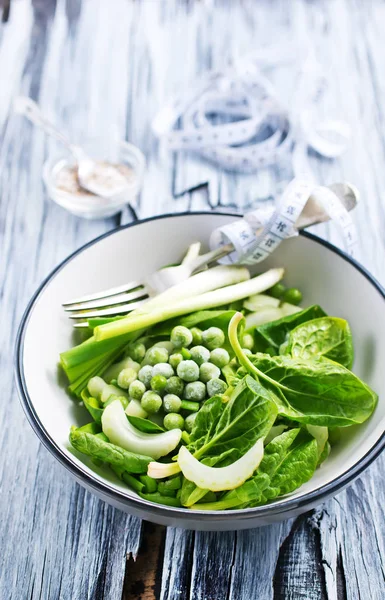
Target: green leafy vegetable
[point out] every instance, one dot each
(274, 333)
(316, 392)
(94, 446)
(297, 467)
(222, 433)
(91, 428)
(145, 425)
(233, 427)
(327, 336)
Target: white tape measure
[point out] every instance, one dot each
(235, 119)
(260, 232)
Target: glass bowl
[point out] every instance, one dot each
(84, 204)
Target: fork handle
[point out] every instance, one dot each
(209, 257)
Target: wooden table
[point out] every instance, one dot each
(94, 64)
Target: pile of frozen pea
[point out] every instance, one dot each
(172, 378)
(176, 377)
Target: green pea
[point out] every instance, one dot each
(196, 335)
(166, 344)
(174, 386)
(156, 355)
(158, 383)
(122, 399)
(213, 338)
(110, 390)
(189, 421)
(293, 296)
(208, 371)
(137, 351)
(186, 354)
(181, 336)
(163, 369)
(126, 377)
(173, 421)
(247, 351)
(145, 375)
(277, 290)
(171, 403)
(188, 370)
(219, 357)
(196, 391)
(200, 354)
(248, 341)
(136, 389)
(175, 359)
(216, 387)
(151, 402)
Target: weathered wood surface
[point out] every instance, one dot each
(93, 64)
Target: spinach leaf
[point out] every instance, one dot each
(145, 425)
(91, 428)
(297, 467)
(223, 432)
(96, 447)
(316, 392)
(273, 334)
(235, 426)
(328, 336)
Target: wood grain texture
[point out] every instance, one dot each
(94, 65)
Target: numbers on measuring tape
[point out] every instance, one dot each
(257, 235)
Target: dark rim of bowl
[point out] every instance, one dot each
(278, 507)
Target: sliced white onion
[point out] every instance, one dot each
(262, 316)
(320, 434)
(134, 409)
(217, 479)
(120, 432)
(259, 301)
(158, 470)
(289, 309)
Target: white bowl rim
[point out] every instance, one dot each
(268, 510)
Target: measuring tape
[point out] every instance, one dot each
(236, 120)
(261, 231)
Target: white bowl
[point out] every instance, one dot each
(326, 276)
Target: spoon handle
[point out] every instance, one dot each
(28, 108)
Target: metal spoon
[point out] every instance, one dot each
(101, 179)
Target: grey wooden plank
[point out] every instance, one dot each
(73, 546)
(255, 561)
(212, 565)
(177, 564)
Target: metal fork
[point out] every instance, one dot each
(126, 298)
(130, 296)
